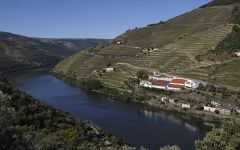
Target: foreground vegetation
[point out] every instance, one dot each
(226, 137)
(27, 123)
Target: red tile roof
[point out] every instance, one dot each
(160, 83)
(175, 86)
(178, 81)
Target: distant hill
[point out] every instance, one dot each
(220, 2)
(184, 46)
(19, 52)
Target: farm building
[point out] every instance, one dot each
(146, 84)
(188, 106)
(192, 84)
(209, 108)
(178, 82)
(174, 87)
(224, 111)
(160, 84)
(109, 69)
(160, 77)
(238, 54)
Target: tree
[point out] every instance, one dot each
(131, 83)
(200, 86)
(227, 137)
(10, 137)
(92, 84)
(142, 75)
(170, 148)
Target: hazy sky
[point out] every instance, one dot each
(86, 18)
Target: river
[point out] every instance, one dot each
(135, 123)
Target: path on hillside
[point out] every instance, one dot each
(209, 64)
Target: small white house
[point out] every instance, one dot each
(192, 84)
(109, 69)
(208, 108)
(238, 54)
(188, 106)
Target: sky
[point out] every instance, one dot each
(86, 18)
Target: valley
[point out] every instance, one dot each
(21, 53)
(168, 85)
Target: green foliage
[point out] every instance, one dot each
(92, 84)
(235, 16)
(225, 138)
(231, 42)
(170, 148)
(131, 83)
(220, 2)
(142, 75)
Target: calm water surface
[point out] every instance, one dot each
(136, 124)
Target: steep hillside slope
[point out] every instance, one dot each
(175, 47)
(74, 45)
(19, 52)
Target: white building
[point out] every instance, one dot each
(146, 84)
(238, 54)
(157, 76)
(192, 84)
(208, 108)
(109, 69)
(188, 106)
(173, 87)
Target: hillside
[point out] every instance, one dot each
(19, 52)
(177, 44)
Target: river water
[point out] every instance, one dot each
(135, 123)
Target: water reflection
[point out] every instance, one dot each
(158, 116)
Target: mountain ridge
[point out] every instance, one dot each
(20, 52)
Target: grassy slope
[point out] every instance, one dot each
(179, 41)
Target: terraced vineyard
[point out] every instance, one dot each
(181, 54)
(179, 42)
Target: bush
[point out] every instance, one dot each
(231, 42)
(92, 84)
(226, 137)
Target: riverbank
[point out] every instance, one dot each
(35, 122)
(136, 123)
(29, 68)
(124, 95)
